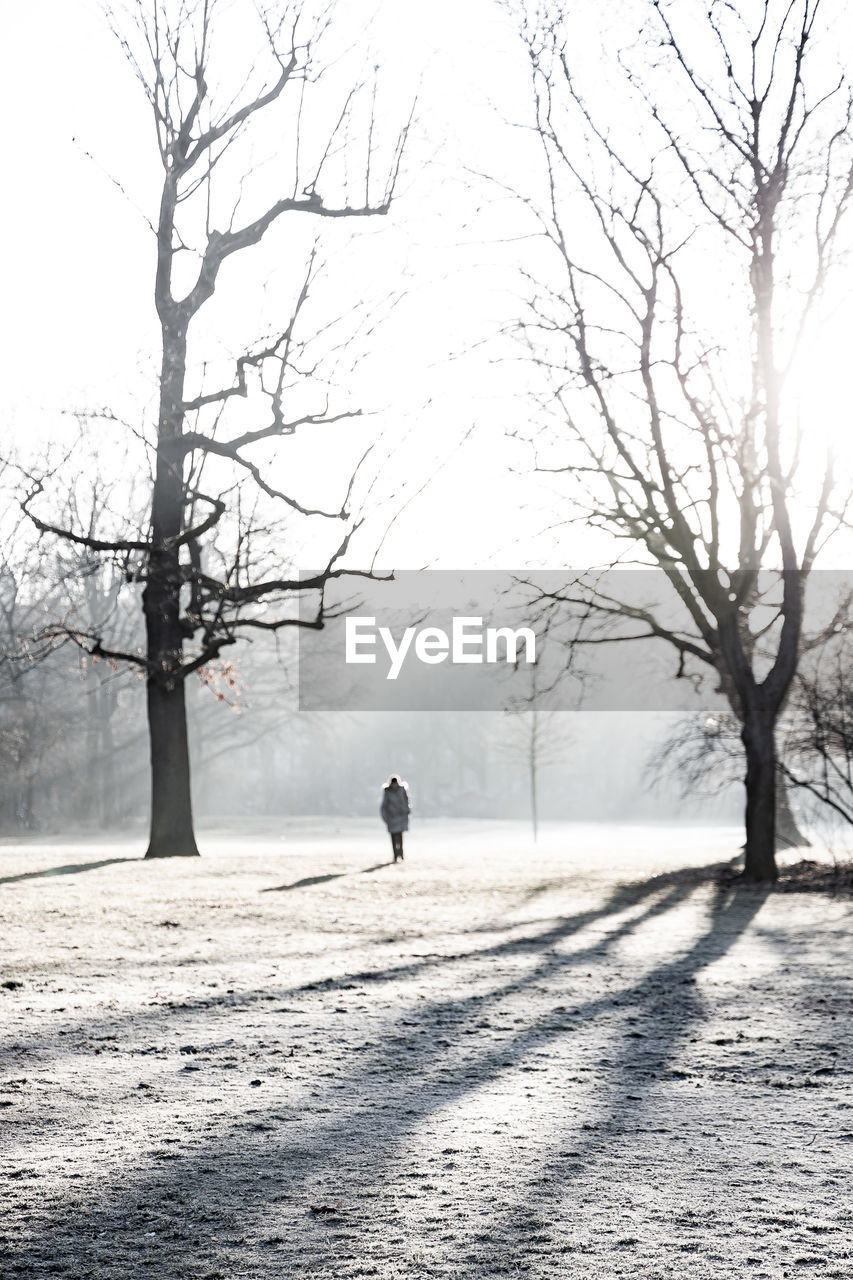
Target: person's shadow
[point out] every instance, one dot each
(335, 875)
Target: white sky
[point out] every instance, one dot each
(80, 329)
(78, 318)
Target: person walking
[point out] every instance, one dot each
(395, 810)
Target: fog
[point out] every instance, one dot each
(74, 748)
(416, 397)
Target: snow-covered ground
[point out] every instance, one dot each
(290, 1058)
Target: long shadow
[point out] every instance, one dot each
(415, 1085)
(636, 1073)
(334, 875)
(69, 869)
(682, 881)
(305, 882)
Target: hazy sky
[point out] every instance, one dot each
(80, 329)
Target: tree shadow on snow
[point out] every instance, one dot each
(72, 868)
(334, 875)
(429, 1055)
(665, 1005)
(680, 882)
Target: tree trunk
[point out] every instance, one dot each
(788, 833)
(533, 765)
(534, 803)
(92, 794)
(171, 806)
(109, 786)
(760, 848)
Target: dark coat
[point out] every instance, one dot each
(395, 809)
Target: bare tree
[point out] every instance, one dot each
(534, 740)
(818, 757)
(29, 721)
(333, 160)
(669, 388)
(705, 753)
(537, 736)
